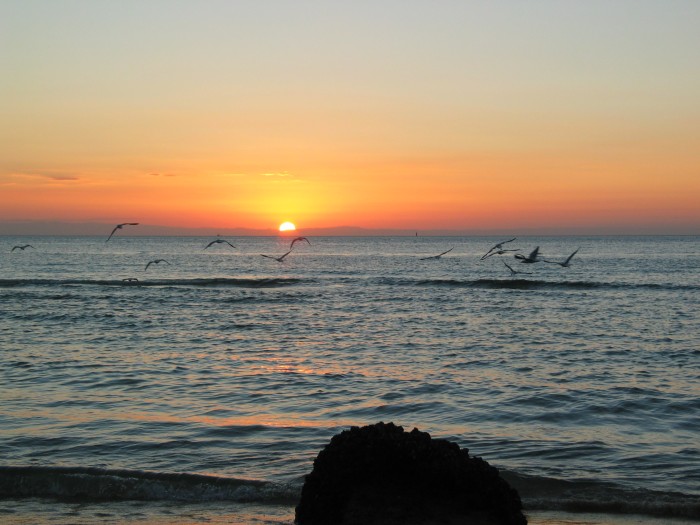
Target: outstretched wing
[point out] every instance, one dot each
(568, 259)
(115, 229)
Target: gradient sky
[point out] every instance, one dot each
(381, 114)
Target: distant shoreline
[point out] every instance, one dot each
(95, 229)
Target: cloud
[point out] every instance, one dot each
(50, 175)
(163, 175)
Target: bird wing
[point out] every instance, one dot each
(149, 263)
(14, 248)
(534, 253)
(212, 242)
(508, 266)
(571, 256)
(115, 229)
(283, 256)
(448, 251)
(231, 245)
(268, 256)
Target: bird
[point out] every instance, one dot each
(498, 246)
(532, 258)
(278, 259)
(515, 272)
(298, 239)
(21, 247)
(218, 241)
(498, 252)
(155, 261)
(436, 256)
(567, 262)
(130, 280)
(120, 226)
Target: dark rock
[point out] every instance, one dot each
(381, 474)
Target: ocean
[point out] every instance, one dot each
(201, 390)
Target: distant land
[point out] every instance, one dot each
(26, 228)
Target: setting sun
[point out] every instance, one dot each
(287, 227)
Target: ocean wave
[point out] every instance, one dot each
(535, 284)
(95, 484)
(537, 493)
(592, 496)
(263, 282)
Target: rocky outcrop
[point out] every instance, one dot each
(380, 474)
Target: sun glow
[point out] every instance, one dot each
(287, 227)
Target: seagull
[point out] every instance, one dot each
(436, 256)
(120, 226)
(278, 259)
(567, 262)
(532, 258)
(130, 280)
(22, 247)
(498, 246)
(217, 241)
(515, 272)
(297, 240)
(156, 261)
(498, 252)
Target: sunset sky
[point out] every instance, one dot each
(459, 115)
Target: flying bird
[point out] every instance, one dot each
(436, 256)
(120, 226)
(498, 246)
(218, 241)
(567, 262)
(515, 272)
(278, 259)
(498, 252)
(298, 239)
(532, 258)
(155, 261)
(21, 247)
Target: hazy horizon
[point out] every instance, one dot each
(58, 228)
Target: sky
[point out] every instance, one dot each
(420, 115)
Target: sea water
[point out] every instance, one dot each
(204, 387)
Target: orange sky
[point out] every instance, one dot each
(387, 114)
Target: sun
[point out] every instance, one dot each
(287, 227)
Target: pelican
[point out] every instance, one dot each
(155, 261)
(436, 256)
(498, 246)
(515, 272)
(278, 259)
(532, 258)
(21, 247)
(498, 252)
(120, 226)
(567, 262)
(218, 241)
(298, 239)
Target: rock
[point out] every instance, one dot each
(380, 474)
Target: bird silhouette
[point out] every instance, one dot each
(532, 258)
(436, 256)
(155, 261)
(121, 226)
(567, 262)
(278, 259)
(219, 241)
(299, 239)
(21, 247)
